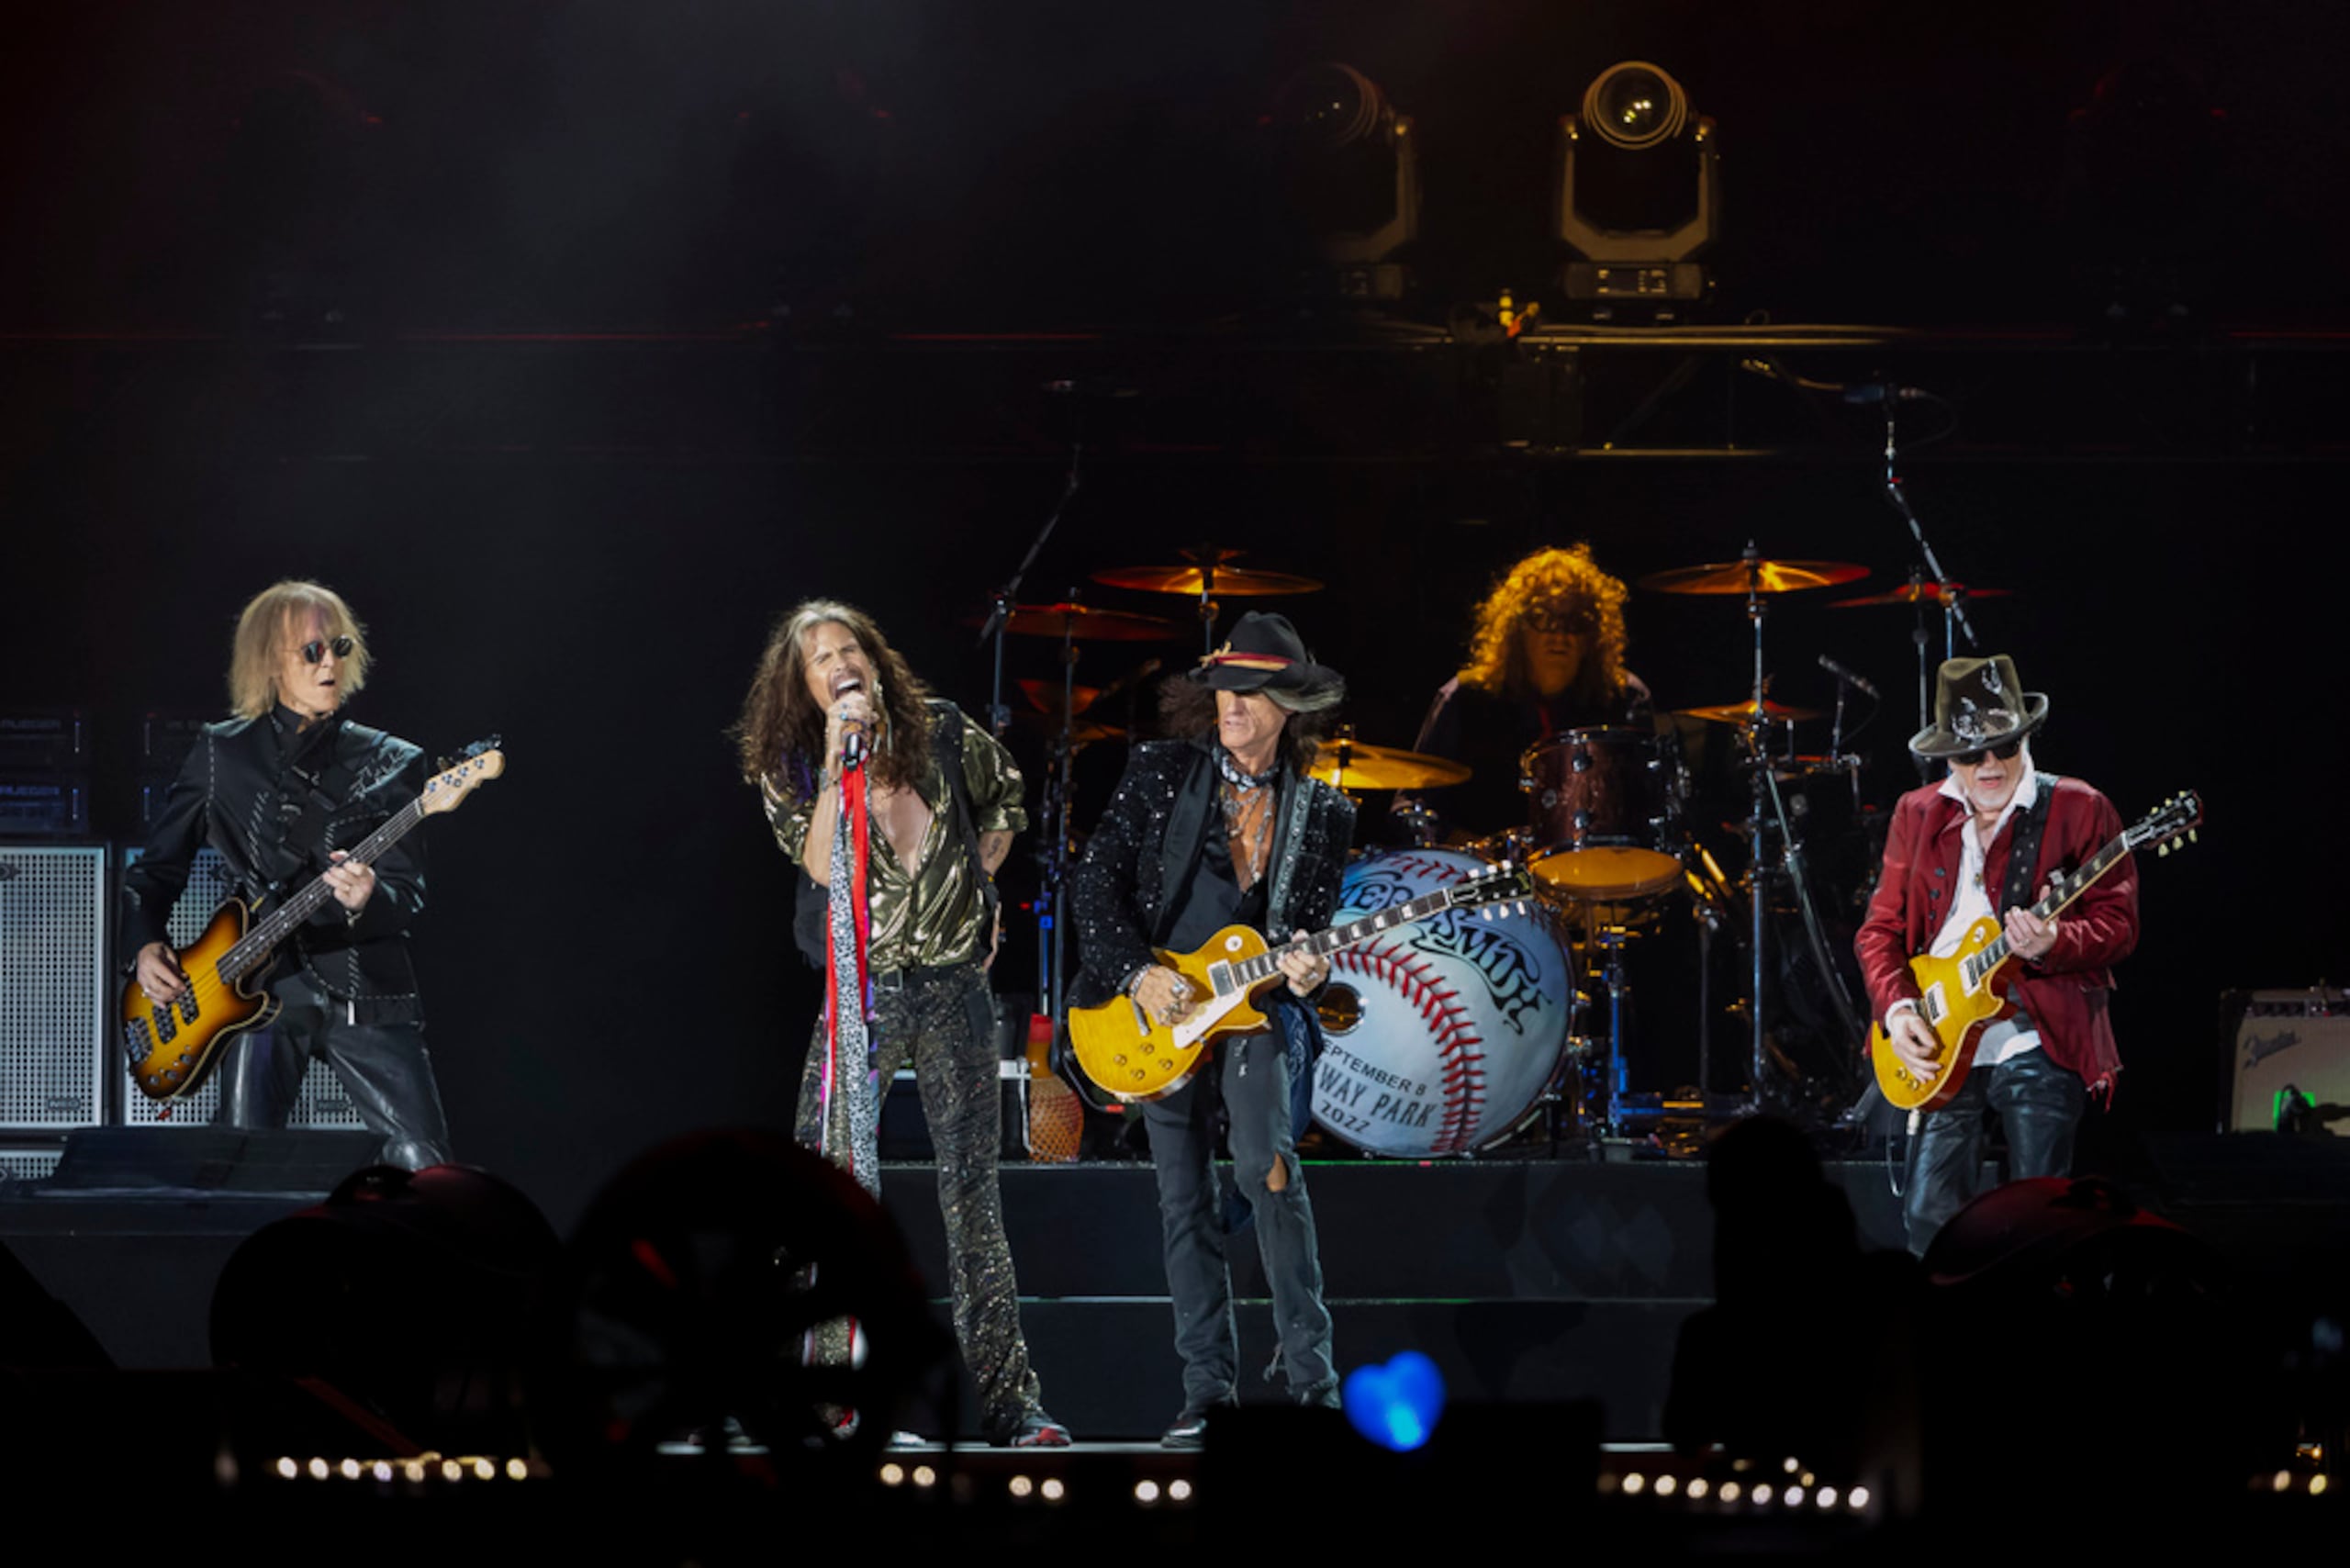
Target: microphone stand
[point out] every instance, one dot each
(1955, 618)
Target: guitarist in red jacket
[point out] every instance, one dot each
(1952, 858)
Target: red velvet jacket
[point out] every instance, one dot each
(2066, 991)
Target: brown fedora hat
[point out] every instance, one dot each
(1978, 703)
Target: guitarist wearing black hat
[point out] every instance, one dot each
(1223, 827)
(1979, 843)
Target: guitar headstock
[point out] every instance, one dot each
(2172, 824)
(1497, 883)
(447, 789)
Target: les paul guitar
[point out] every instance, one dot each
(173, 1046)
(1961, 996)
(1134, 1057)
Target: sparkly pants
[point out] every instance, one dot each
(940, 1021)
(1260, 1076)
(384, 1069)
(2039, 1105)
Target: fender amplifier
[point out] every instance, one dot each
(2278, 1038)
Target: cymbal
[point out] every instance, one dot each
(1045, 696)
(1910, 593)
(1085, 732)
(1085, 623)
(1352, 765)
(1740, 712)
(1776, 577)
(1191, 580)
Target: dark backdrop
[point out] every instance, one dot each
(606, 950)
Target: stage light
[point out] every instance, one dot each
(1145, 1493)
(1825, 1496)
(1020, 1486)
(1055, 1491)
(1731, 1492)
(1698, 1489)
(1858, 1499)
(1348, 175)
(1178, 1491)
(1638, 195)
(1666, 1485)
(925, 1476)
(1395, 1405)
(319, 1470)
(1763, 1494)
(1634, 1483)
(893, 1475)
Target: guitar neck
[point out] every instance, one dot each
(255, 946)
(1322, 944)
(2061, 893)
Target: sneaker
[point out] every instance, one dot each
(1191, 1429)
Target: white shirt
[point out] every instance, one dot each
(2015, 1034)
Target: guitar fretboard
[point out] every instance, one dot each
(1494, 885)
(2062, 890)
(256, 944)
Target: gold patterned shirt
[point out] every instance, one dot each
(931, 917)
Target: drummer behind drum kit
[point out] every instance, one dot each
(1454, 1034)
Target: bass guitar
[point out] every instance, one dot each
(173, 1046)
(1134, 1057)
(1961, 996)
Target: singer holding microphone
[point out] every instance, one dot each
(836, 717)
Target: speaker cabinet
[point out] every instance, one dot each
(54, 1004)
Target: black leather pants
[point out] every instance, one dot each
(2039, 1105)
(384, 1069)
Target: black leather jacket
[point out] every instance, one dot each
(274, 802)
(1123, 893)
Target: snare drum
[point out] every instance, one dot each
(1600, 802)
(1443, 1036)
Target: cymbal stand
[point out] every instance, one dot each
(999, 622)
(1052, 856)
(1618, 1080)
(1756, 733)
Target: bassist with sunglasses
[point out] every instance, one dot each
(1983, 843)
(279, 790)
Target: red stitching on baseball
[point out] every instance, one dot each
(1462, 1065)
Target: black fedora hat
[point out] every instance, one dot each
(1978, 703)
(1265, 654)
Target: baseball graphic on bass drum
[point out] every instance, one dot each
(1443, 1035)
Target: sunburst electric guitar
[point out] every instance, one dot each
(1961, 996)
(1134, 1057)
(173, 1046)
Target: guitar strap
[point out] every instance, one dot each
(1290, 832)
(2023, 854)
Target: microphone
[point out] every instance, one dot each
(1885, 392)
(1850, 678)
(853, 748)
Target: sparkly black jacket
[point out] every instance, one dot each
(273, 800)
(1123, 894)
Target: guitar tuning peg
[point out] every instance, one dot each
(2161, 850)
(2191, 835)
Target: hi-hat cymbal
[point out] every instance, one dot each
(1352, 765)
(1771, 577)
(1910, 593)
(1743, 713)
(1192, 580)
(1086, 623)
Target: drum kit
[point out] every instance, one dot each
(1456, 1036)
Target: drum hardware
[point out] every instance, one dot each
(1743, 713)
(1927, 578)
(1211, 569)
(1917, 591)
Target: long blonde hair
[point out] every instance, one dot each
(260, 644)
(1553, 581)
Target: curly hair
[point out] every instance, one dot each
(264, 630)
(780, 735)
(1187, 711)
(1561, 582)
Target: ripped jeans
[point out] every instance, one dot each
(1262, 1078)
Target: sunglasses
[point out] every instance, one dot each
(2005, 751)
(316, 649)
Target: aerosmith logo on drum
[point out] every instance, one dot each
(1442, 1037)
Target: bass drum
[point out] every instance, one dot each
(1443, 1035)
